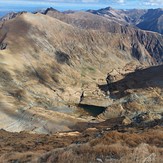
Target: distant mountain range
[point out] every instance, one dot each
(145, 19)
(117, 21)
(151, 19)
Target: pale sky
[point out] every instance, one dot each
(34, 5)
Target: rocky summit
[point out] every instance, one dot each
(81, 86)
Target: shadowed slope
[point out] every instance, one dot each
(138, 96)
(152, 20)
(140, 79)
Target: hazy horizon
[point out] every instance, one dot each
(7, 6)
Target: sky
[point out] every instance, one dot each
(7, 6)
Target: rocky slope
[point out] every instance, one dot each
(45, 67)
(122, 16)
(138, 96)
(49, 66)
(150, 19)
(53, 69)
(142, 43)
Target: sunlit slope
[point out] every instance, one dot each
(47, 64)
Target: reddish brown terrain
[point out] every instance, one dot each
(105, 142)
(55, 102)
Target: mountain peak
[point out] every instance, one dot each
(50, 9)
(108, 8)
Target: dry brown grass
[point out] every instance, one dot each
(154, 137)
(113, 147)
(110, 147)
(108, 154)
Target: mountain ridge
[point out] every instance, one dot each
(90, 21)
(140, 18)
(72, 59)
(79, 87)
